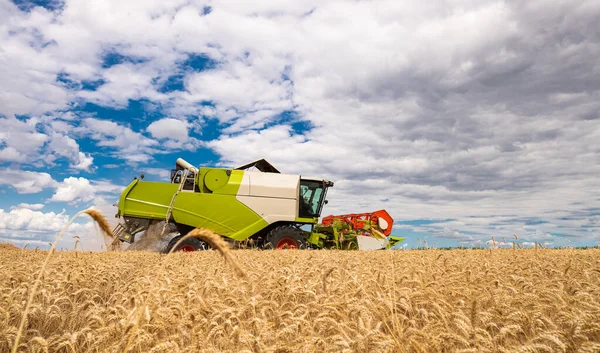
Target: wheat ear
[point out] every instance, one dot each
(216, 242)
(98, 218)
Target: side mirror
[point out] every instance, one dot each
(326, 202)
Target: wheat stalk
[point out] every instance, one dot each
(102, 222)
(214, 241)
(98, 218)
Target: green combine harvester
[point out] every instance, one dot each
(253, 204)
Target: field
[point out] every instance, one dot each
(304, 301)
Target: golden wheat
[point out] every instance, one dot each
(303, 301)
(100, 220)
(97, 216)
(216, 242)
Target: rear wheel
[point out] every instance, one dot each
(286, 237)
(188, 245)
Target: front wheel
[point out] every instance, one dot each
(286, 237)
(188, 245)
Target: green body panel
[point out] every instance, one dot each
(223, 214)
(316, 239)
(220, 212)
(215, 179)
(307, 220)
(233, 186)
(124, 195)
(147, 199)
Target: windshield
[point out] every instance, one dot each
(311, 198)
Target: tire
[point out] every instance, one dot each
(188, 245)
(286, 237)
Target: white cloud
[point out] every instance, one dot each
(21, 138)
(74, 189)
(122, 82)
(528, 244)
(10, 154)
(67, 147)
(27, 67)
(26, 182)
(135, 146)
(34, 207)
(163, 173)
(539, 236)
(27, 219)
(169, 128)
(173, 134)
(25, 226)
(130, 145)
(27, 142)
(80, 189)
(241, 94)
(106, 187)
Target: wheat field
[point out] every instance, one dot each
(303, 301)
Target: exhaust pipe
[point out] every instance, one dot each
(185, 165)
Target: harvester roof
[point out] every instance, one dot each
(262, 165)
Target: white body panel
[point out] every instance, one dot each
(370, 243)
(271, 209)
(272, 196)
(274, 185)
(245, 185)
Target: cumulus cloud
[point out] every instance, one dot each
(162, 173)
(130, 145)
(34, 207)
(21, 139)
(26, 182)
(64, 146)
(73, 189)
(173, 134)
(242, 96)
(26, 226)
(34, 140)
(24, 218)
(169, 128)
(10, 154)
(27, 67)
(121, 83)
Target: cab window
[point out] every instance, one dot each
(311, 196)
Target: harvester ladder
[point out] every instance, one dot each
(170, 209)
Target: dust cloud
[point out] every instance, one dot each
(153, 239)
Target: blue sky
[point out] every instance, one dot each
(465, 120)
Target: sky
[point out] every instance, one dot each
(464, 119)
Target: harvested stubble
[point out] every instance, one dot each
(305, 301)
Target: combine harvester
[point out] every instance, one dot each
(263, 207)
